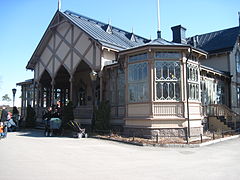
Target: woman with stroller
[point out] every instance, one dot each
(46, 117)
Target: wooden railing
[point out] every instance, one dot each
(222, 110)
(168, 109)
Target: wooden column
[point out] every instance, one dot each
(101, 85)
(34, 94)
(71, 87)
(152, 92)
(52, 92)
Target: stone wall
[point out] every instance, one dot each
(161, 132)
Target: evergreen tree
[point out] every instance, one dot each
(103, 116)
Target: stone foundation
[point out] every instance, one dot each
(161, 132)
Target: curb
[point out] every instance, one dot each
(124, 142)
(171, 145)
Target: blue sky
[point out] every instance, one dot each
(23, 22)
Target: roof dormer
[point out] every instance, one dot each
(107, 28)
(131, 37)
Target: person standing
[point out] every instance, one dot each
(15, 115)
(4, 114)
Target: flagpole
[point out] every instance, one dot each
(158, 15)
(59, 5)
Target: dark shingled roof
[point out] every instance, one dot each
(215, 42)
(115, 38)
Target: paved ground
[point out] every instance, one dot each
(30, 156)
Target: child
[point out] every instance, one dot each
(1, 129)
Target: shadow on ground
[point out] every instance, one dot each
(39, 133)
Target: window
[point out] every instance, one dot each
(121, 87)
(220, 93)
(113, 87)
(238, 61)
(167, 78)
(193, 84)
(116, 87)
(138, 57)
(138, 89)
(238, 96)
(168, 55)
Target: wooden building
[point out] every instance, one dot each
(152, 85)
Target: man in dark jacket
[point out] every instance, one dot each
(4, 115)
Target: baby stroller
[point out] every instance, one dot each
(11, 125)
(78, 132)
(53, 126)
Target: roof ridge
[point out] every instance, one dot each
(101, 23)
(218, 31)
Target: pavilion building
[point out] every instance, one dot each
(153, 86)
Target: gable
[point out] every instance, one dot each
(64, 44)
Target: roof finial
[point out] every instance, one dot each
(59, 5)
(158, 13)
(109, 21)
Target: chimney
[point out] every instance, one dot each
(158, 34)
(179, 34)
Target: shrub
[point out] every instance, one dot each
(103, 116)
(30, 118)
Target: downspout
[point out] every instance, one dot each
(187, 89)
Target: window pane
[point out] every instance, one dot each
(177, 91)
(137, 82)
(168, 55)
(159, 90)
(171, 90)
(165, 90)
(137, 57)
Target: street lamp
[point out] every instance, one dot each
(93, 76)
(14, 90)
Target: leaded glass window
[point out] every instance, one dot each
(238, 96)
(238, 61)
(168, 55)
(138, 57)
(117, 87)
(167, 78)
(113, 87)
(121, 87)
(138, 89)
(193, 83)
